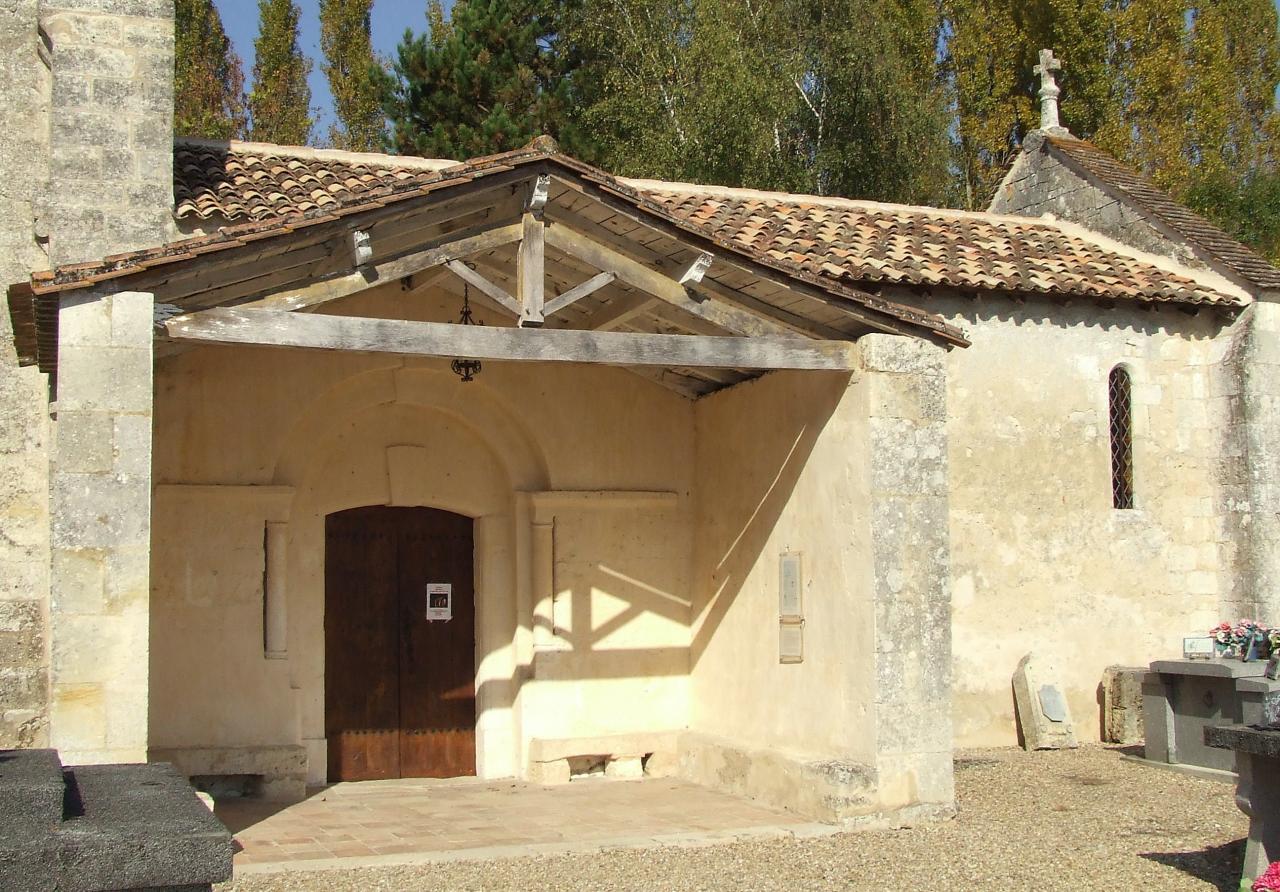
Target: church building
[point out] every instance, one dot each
(321, 466)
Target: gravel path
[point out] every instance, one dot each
(1078, 820)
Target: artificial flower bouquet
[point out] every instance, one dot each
(1246, 640)
(1270, 880)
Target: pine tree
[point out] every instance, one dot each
(489, 84)
(208, 88)
(350, 66)
(280, 101)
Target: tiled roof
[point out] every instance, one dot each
(1191, 226)
(870, 242)
(259, 181)
(853, 242)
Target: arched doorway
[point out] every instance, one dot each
(399, 628)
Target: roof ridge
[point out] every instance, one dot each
(832, 201)
(276, 150)
(1195, 228)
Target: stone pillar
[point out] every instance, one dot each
(24, 419)
(911, 586)
(101, 529)
(110, 126)
(1259, 410)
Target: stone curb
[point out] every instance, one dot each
(1214, 774)
(494, 853)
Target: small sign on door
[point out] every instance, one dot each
(439, 601)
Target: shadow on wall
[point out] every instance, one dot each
(771, 441)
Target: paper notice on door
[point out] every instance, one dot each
(439, 601)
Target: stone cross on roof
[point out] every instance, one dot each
(1049, 92)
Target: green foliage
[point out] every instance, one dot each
(487, 83)
(831, 97)
(353, 74)
(280, 102)
(208, 86)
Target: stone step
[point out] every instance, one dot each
(32, 789)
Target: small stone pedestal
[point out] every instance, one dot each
(105, 828)
(1257, 757)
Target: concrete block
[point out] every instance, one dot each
(1042, 706)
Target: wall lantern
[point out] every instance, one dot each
(466, 369)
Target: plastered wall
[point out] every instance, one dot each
(308, 433)
(782, 468)
(1041, 561)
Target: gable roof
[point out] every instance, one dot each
(861, 241)
(831, 240)
(1087, 158)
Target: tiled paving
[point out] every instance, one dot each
(384, 821)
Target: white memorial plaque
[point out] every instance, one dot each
(439, 601)
(791, 642)
(790, 584)
(1197, 648)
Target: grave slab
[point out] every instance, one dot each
(1042, 709)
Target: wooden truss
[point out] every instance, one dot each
(729, 329)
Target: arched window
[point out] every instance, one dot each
(1120, 403)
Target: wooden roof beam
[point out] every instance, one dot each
(636, 274)
(708, 287)
(277, 328)
(448, 249)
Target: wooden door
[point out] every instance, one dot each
(399, 690)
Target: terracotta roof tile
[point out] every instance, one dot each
(258, 191)
(861, 242)
(1182, 220)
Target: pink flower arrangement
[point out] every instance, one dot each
(1269, 881)
(1237, 640)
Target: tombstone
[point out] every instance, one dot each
(1042, 707)
(1257, 756)
(104, 828)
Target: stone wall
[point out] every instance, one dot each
(24, 420)
(1041, 183)
(111, 127)
(1041, 560)
(850, 473)
(85, 171)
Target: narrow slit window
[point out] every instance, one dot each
(1120, 400)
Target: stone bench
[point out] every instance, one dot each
(554, 760)
(274, 772)
(105, 828)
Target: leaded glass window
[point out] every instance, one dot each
(1120, 401)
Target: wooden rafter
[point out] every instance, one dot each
(230, 325)
(660, 286)
(491, 290)
(441, 252)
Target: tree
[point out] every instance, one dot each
(208, 83)
(488, 83)
(351, 68)
(831, 97)
(280, 102)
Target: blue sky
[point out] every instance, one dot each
(390, 18)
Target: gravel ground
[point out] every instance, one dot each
(1073, 820)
